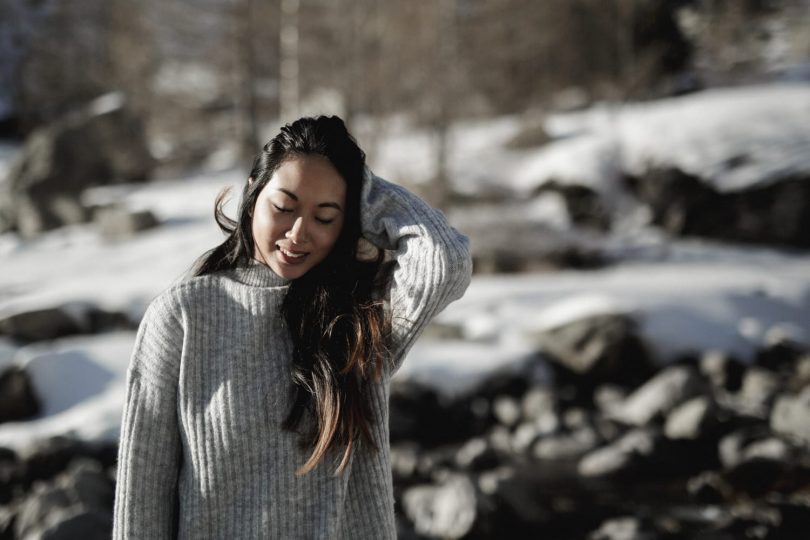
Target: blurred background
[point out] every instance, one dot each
(632, 359)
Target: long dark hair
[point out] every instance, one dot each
(334, 314)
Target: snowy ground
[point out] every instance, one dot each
(686, 295)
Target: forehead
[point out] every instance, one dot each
(309, 178)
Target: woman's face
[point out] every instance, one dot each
(299, 215)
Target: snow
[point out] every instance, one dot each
(685, 295)
(733, 138)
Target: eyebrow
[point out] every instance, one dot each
(294, 197)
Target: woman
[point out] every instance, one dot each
(257, 394)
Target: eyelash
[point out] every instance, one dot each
(319, 220)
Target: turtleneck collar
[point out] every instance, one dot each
(258, 274)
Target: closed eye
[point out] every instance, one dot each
(282, 209)
(324, 221)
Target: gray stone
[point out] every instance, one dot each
(731, 448)
(709, 487)
(791, 416)
(404, 459)
(692, 419)
(658, 396)
(607, 397)
(18, 399)
(537, 401)
(623, 528)
(759, 388)
(477, 454)
(87, 525)
(526, 434)
(604, 346)
(619, 456)
(507, 410)
(447, 510)
(569, 445)
(118, 223)
(40, 324)
(721, 370)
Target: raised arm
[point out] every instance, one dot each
(149, 447)
(433, 264)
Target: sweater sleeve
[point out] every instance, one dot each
(433, 264)
(149, 446)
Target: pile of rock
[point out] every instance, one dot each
(706, 447)
(60, 489)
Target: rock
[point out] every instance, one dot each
(102, 142)
(18, 399)
(723, 371)
(8, 517)
(490, 481)
(770, 448)
(790, 415)
(585, 207)
(685, 205)
(537, 401)
(623, 528)
(418, 413)
(404, 459)
(694, 419)
(749, 521)
(575, 418)
(658, 396)
(780, 355)
(88, 483)
(506, 410)
(801, 374)
(758, 390)
(756, 476)
(605, 347)
(607, 397)
(708, 487)
(622, 457)
(47, 458)
(89, 525)
(569, 445)
(500, 438)
(40, 324)
(76, 504)
(731, 448)
(447, 510)
(118, 223)
(477, 454)
(525, 436)
(10, 474)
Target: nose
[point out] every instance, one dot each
(298, 234)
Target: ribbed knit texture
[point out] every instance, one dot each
(202, 454)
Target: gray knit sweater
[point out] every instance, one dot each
(202, 454)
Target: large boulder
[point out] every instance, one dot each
(685, 205)
(100, 143)
(600, 348)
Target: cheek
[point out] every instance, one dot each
(265, 228)
(329, 237)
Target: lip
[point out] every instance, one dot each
(292, 260)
